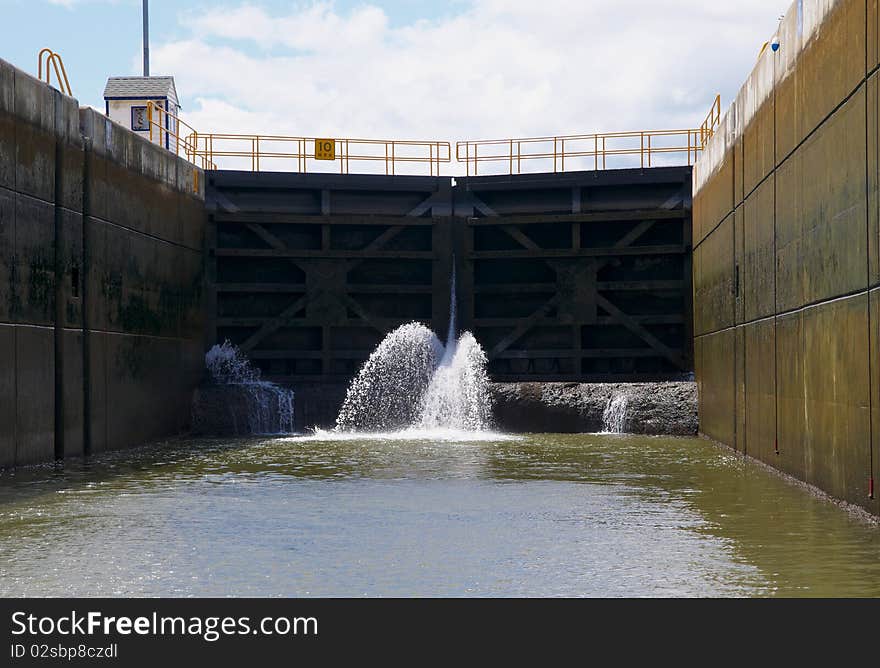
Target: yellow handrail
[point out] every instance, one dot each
(595, 148)
(158, 117)
(303, 150)
(713, 119)
(299, 152)
(58, 66)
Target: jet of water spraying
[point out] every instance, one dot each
(458, 395)
(384, 395)
(413, 380)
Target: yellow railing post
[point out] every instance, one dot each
(58, 65)
(642, 148)
(511, 156)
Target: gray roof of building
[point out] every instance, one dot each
(130, 87)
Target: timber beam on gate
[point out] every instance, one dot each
(361, 288)
(257, 321)
(664, 249)
(617, 286)
(597, 217)
(660, 319)
(319, 254)
(280, 218)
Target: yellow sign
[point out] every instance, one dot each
(325, 149)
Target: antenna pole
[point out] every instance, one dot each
(146, 38)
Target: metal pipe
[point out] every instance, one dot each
(146, 38)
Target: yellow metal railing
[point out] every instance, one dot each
(713, 119)
(644, 148)
(53, 58)
(301, 152)
(593, 149)
(165, 129)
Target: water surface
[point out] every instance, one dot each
(538, 515)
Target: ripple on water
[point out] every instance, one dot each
(445, 514)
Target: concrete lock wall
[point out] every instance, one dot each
(101, 265)
(786, 267)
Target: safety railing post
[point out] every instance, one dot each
(511, 156)
(642, 148)
(40, 63)
(554, 155)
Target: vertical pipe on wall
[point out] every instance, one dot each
(85, 273)
(59, 276)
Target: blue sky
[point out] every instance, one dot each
(418, 69)
(100, 38)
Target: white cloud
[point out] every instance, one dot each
(497, 68)
(70, 3)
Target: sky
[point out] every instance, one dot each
(410, 69)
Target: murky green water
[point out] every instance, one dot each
(546, 515)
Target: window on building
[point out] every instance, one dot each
(139, 120)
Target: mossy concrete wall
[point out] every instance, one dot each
(786, 265)
(101, 264)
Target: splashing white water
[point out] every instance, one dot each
(458, 395)
(228, 365)
(413, 381)
(413, 384)
(408, 435)
(269, 407)
(614, 415)
(384, 395)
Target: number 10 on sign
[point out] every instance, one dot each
(325, 149)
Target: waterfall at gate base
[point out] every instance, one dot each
(614, 416)
(246, 404)
(413, 381)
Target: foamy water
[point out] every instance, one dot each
(415, 385)
(440, 434)
(269, 406)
